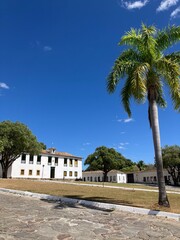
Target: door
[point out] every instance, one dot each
(52, 174)
(130, 178)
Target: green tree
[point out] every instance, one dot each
(43, 146)
(16, 138)
(145, 67)
(141, 165)
(105, 159)
(171, 161)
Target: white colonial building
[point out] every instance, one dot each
(47, 165)
(148, 176)
(97, 176)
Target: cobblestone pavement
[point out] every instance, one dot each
(25, 218)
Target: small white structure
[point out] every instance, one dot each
(47, 165)
(97, 176)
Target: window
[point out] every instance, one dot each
(38, 173)
(70, 173)
(31, 159)
(65, 173)
(155, 179)
(75, 174)
(110, 178)
(22, 172)
(65, 162)
(144, 179)
(88, 178)
(49, 160)
(114, 178)
(30, 172)
(56, 161)
(39, 159)
(70, 162)
(23, 158)
(76, 163)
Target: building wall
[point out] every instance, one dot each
(150, 177)
(97, 176)
(33, 169)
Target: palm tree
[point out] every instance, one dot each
(145, 68)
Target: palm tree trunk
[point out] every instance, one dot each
(163, 200)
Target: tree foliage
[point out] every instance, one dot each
(106, 159)
(16, 139)
(141, 165)
(171, 160)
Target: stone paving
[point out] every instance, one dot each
(25, 218)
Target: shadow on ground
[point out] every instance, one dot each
(59, 204)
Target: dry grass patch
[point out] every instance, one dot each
(108, 195)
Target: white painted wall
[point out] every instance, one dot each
(44, 168)
(149, 176)
(97, 176)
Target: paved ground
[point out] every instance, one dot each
(25, 218)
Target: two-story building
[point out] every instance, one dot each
(47, 165)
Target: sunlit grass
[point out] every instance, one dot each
(109, 195)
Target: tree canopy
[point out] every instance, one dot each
(141, 165)
(16, 139)
(106, 159)
(171, 161)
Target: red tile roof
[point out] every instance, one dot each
(61, 154)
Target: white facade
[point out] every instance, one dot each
(151, 177)
(49, 164)
(97, 176)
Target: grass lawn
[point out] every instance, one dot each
(108, 195)
(129, 185)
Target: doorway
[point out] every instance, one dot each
(52, 174)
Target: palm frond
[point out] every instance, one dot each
(138, 82)
(169, 68)
(131, 38)
(159, 93)
(167, 37)
(126, 95)
(175, 56)
(121, 67)
(131, 55)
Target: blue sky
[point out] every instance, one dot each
(54, 61)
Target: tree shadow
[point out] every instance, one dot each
(78, 201)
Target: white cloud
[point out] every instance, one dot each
(119, 120)
(176, 13)
(136, 4)
(4, 85)
(86, 144)
(166, 4)
(47, 48)
(122, 145)
(128, 120)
